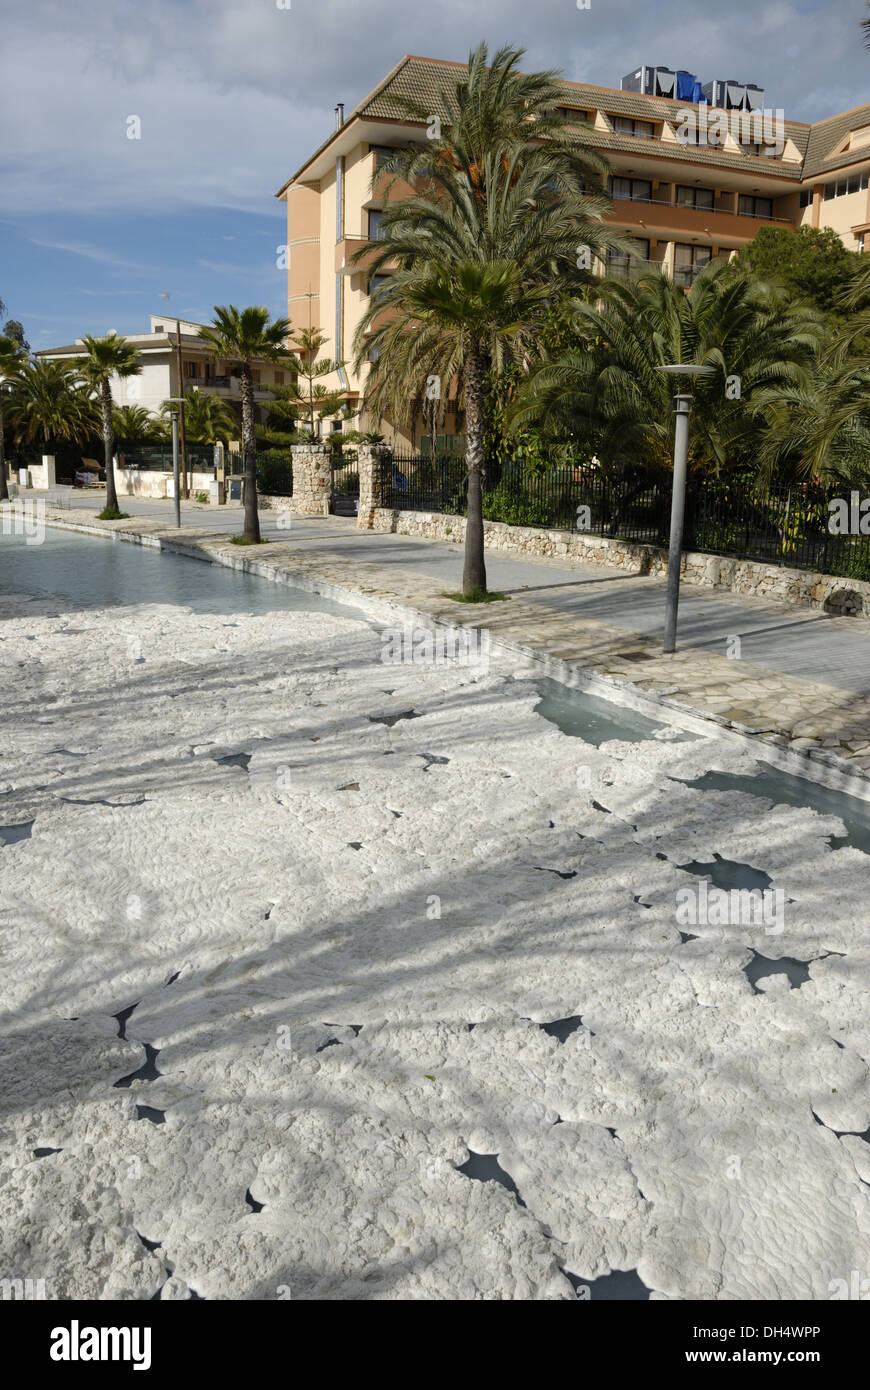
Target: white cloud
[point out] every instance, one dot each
(233, 97)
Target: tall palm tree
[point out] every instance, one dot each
(608, 380)
(506, 214)
(107, 357)
(208, 419)
(242, 338)
(12, 360)
(49, 403)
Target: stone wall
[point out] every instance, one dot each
(141, 482)
(374, 460)
(312, 479)
(805, 587)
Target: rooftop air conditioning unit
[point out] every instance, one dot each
(650, 81)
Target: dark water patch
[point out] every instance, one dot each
(354, 844)
(235, 760)
(486, 1168)
(797, 971)
(728, 873)
(624, 1284)
(687, 936)
(432, 758)
(147, 1112)
(253, 1203)
(149, 1244)
(562, 1028)
(124, 1014)
(44, 1153)
(148, 1071)
(350, 787)
(171, 980)
(569, 873)
(11, 834)
(390, 719)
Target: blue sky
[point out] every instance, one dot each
(232, 97)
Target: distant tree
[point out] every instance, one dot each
(134, 424)
(107, 357)
(13, 329)
(811, 262)
(242, 338)
(208, 419)
(49, 402)
(309, 392)
(12, 360)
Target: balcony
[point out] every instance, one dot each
(658, 216)
(347, 247)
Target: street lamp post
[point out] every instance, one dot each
(682, 408)
(175, 469)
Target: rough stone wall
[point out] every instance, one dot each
(312, 479)
(808, 588)
(373, 460)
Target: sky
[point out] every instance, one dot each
(231, 97)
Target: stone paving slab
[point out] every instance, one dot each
(828, 725)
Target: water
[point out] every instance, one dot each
(93, 572)
(786, 788)
(593, 719)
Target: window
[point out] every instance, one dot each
(376, 232)
(385, 156)
(279, 378)
(622, 266)
(374, 353)
(255, 375)
(849, 183)
(806, 197)
(696, 198)
(191, 369)
(758, 149)
(640, 190)
(642, 130)
(158, 328)
(748, 206)
(571, 114)
(689, 261)
(377, 283)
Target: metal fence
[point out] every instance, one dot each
(783, 525)
(158, 457)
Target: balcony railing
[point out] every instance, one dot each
(727, 212)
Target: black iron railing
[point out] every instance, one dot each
(729, 515)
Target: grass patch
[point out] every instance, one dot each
(479, 596)
(112, 514)
(242, 540)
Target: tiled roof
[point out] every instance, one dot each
(422, 80)
(826, 135)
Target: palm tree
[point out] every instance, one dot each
(107, 357)
(208, 419)
(49, 402)
(308, 392)
(242, 338)
(12, 360)
(133, 423)
(608, 382)
(506, 202)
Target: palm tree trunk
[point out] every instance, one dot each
(474, 569)
(4, 491)
(108, 445)
(249, 449)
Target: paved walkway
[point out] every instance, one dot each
(803, 679)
